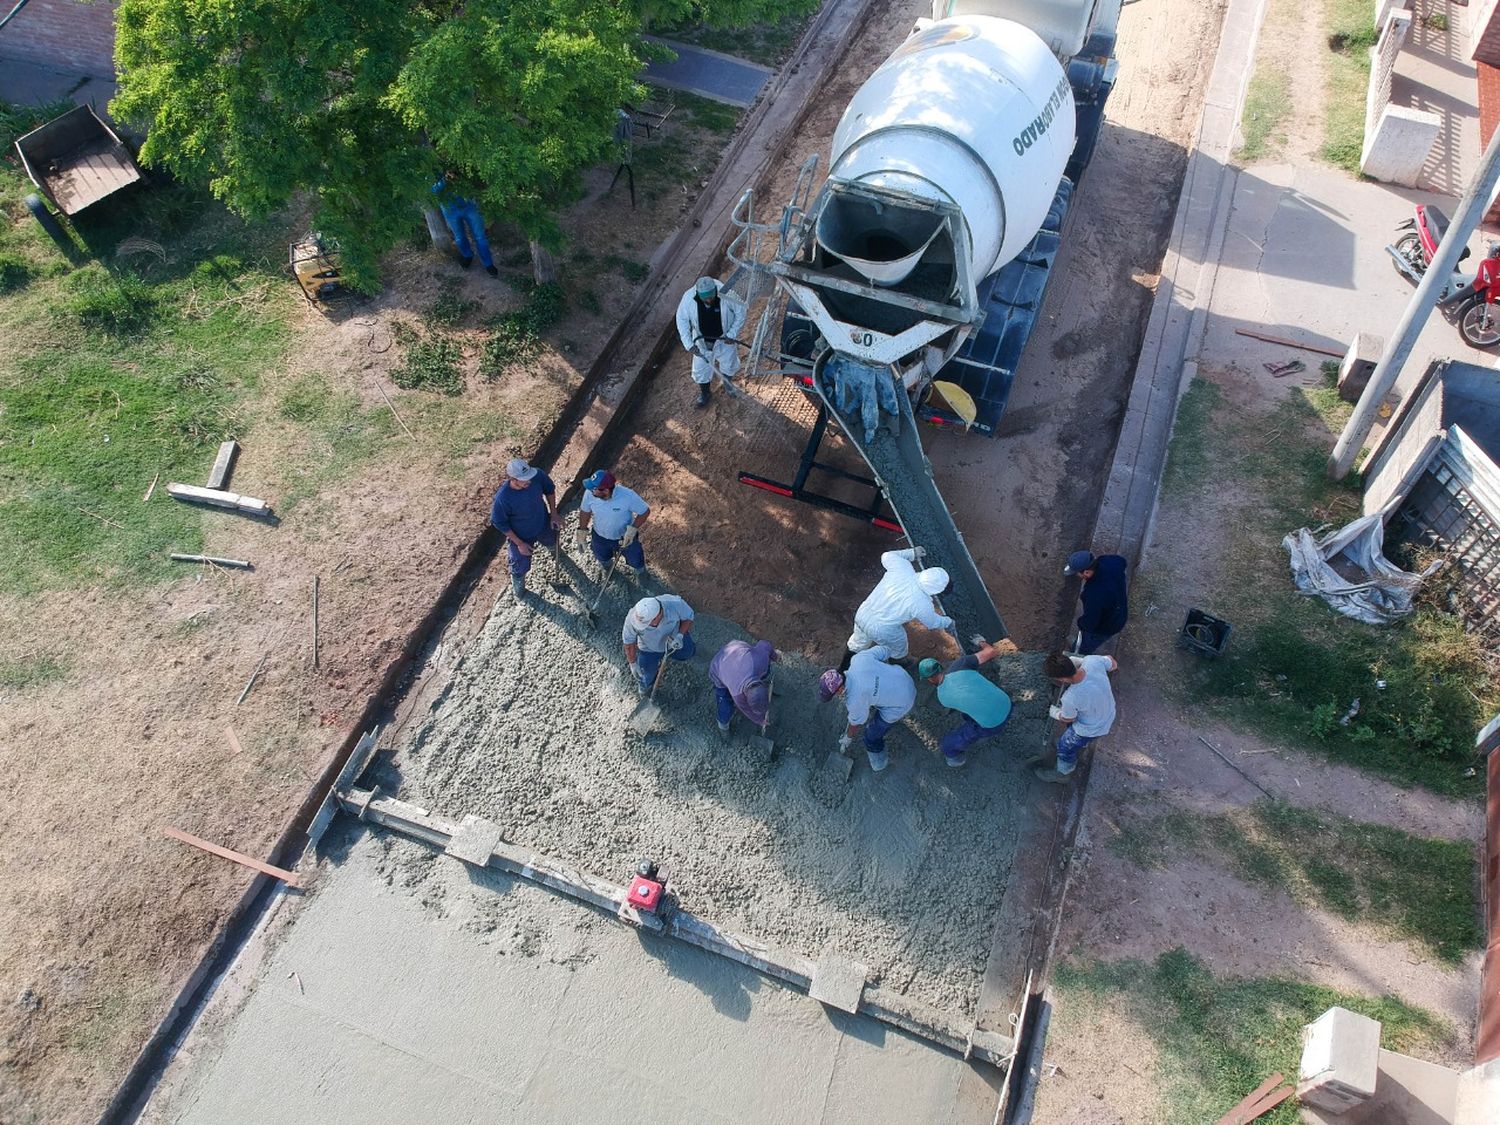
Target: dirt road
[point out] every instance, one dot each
(1023, 500)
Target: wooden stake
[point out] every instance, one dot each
(234, 743)
(379, 387)
(315, 621)
(212, 560)
(287, 877)
(101, 519)
(1236, 768)
(192, 494)
(218, 476)
(1318, 348)
(152, 487)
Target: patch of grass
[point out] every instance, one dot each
(1267, 103)
(114, 304)
(31, 672)
(1437, 21)
(517, 335)
(764, 43)
(15, 271)
(1414, 888)
(449, 308)
(706, 113)
(1351, 34)
(430, 363)
(1188, 457)
(633, 271)
(339, 431)
(1219, 1037)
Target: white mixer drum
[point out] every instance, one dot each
(971, 110)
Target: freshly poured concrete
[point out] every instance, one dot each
(408, 992)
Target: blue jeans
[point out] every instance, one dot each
(1068, 746)
(604, 550)
(961, 737)
(724, 705)
(460, 213)
(649, 662)
(520, 564)
(875, 733)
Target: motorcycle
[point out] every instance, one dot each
(1467, 299)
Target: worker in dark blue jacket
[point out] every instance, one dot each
(1106, 601)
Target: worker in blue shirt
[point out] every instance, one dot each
(1105, 597)
(962, 687)
(525, 512)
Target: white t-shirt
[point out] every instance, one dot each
(1090, 704)
(872, 683)
(611, 517)
(654, 638)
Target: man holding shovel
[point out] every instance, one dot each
(877, 696)
(656, 628)
(709, 318)
(963, 688)
(612, 515)
(741, 675)
(525, 512)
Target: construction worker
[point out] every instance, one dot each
(1106, 600)
(612, 515)
(525, 512)
(1086, 709)
(741, 675)
(963, 688)
(461, 212)
(877, 696)
(904, 594)
(656, 628)
(709, 318)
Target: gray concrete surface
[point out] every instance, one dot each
(711, 74)
(29, 83)
(406, 992)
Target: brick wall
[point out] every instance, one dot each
(64, 34)
(1488, 79)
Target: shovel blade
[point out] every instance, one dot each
(761, 748)
(644, 717)
(838, 766)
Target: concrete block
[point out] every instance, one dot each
(1358, 364)
(1340, 1060)
(1397, 148)
(838, 982)
(1478, 1101)
(475, 841)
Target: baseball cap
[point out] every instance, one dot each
(707, 287)
(645, 612)
(1079, 561)
(829, 684)
(601, 479)
(518, 469)
(928, 668)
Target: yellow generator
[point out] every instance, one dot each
(315, 265)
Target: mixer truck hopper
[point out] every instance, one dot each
(907, 289)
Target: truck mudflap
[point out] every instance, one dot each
(904, 474)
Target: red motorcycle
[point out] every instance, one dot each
(1472, 298)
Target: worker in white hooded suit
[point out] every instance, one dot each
(709, 319)
(904, 594)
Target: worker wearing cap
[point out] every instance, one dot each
(525, 512)
(1086, 709)
(655, 628)
(963, 688)
(612, 515)
(741, 675)
(1105, 597)
(877, 696)
(709, 318)
(904, 594)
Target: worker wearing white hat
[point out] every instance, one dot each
(656, 628)
(904, 594)
(709, 318)
(525, 512)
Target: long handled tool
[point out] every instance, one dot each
(760, 743)
(646, 711)
(590, 613)
(713, 369)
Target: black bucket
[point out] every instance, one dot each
(1202, 632)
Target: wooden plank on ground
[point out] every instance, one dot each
(234, 742)
(1236, 1116)
(1284, 342)
(287, 877)
(192, 494)
(218, 476)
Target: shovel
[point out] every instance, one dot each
(762, 745)
(589, 614)
(646, 711)
(839, 764)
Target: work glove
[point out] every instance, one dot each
(1055, 710)
(978, 641)
(846, 740)
(947, 623)
(580, 538)
(635, 670)
(674, 642)
(631, 534)
(918, 553)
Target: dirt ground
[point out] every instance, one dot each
(101, 917)
(1025, 499)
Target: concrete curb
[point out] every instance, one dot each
(1179, 312)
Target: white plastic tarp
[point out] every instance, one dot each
(1365, 585)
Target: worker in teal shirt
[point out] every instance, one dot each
(963, 688)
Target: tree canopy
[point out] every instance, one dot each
(363, 104)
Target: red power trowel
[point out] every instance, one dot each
(646, 902)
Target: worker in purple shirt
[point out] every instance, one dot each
(1105, 597)
(741, 675)
(525, 512)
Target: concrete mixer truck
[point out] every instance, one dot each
(909, 286)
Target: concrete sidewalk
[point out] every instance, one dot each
(709, 74)
(405, 993)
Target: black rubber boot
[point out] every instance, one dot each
(703, 389)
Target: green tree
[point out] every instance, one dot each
(361, 104)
